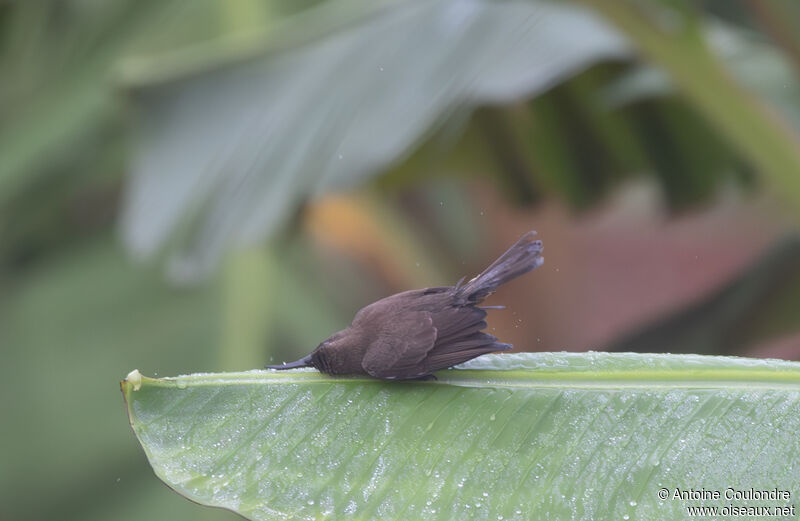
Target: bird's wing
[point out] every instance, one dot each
(401, 347)
(455, 322)
(460, 337)
(460, 350)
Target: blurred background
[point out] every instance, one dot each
(195, 185)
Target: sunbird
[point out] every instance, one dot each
(412, 334)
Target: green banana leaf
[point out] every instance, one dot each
(349, 88)
(503, 437)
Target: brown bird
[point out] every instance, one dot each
(412, 334)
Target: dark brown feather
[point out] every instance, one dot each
(445, 360)
(400, 346)
(456, 320)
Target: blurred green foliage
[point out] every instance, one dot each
(87, 86)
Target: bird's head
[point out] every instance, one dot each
(340, 353)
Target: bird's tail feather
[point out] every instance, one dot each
(522, 257)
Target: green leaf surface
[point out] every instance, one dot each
(546, 435)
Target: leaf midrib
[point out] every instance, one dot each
(521, 379)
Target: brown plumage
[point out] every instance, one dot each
(415, 333)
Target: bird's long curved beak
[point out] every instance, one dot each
(303, 362)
